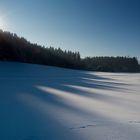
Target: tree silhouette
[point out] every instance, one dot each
(14, 48)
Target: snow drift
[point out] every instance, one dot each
(50, 103)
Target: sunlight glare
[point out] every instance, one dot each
(2, 24)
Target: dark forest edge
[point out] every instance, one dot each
(14, 48)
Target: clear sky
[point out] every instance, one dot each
(92, 27)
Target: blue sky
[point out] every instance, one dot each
(92, 27)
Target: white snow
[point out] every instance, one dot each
(50, 103)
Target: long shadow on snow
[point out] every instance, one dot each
(24, 93)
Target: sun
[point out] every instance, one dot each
(2, 24)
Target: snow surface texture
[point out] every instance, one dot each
(49, 103)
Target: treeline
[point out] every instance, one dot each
(112, 64)
(14, 48)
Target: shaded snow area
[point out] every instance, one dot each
(49, 103)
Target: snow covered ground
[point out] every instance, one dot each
(49, 103)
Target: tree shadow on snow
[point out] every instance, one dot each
(31, 113)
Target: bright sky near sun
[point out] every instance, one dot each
(92, 27)
(2, 23)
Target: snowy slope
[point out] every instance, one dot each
(49, 103)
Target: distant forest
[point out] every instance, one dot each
(14, 48)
